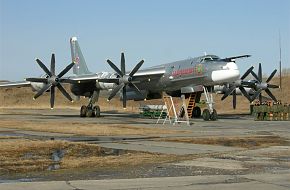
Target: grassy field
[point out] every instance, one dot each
(21, 156)
(79, 128)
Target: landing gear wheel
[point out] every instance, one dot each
(181, 113)
(89, 113)
(196, 112)
(97, 111)
(83, 111)
(213, 115)
(206, 115)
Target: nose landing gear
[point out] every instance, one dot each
(210, 113)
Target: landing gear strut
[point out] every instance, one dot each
(210, 113)
(90, 110)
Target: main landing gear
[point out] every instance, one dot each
(210, 113)
(90, 110)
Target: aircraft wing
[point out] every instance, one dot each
(17, 84)
(235, 57)
(140, 75)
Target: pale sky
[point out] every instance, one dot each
(159, 31)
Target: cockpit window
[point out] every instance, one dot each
(209, 58)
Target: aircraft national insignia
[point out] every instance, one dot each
(199, 69)
(77, 59)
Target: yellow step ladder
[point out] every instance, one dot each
(191, 103)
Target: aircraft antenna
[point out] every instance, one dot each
(280, 62)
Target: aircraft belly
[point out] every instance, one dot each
(177, 84)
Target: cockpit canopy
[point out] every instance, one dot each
(207, 58)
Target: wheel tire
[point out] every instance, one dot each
(97, 111)
(196, 112)
(182, 113)
(93, 112)
(206, 115)
(89, 113)
(83, 111)
(213, 115)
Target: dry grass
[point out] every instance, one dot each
(85, 129)
(27, 155)
(244, 142)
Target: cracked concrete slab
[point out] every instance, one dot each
(225, 164)
(169, 147)
(225, 182)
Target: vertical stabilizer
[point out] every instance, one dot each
(80, 67)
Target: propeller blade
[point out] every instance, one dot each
(234, 99)
(256, 94)
(52, 65)
(227, 93)
(63, 72)
(256, 77)
(44, 68)
(116, 90)
(115, 68)
(123, 69)
(42, 80)
(39, 93)
(271, 95)
(260, 72)
(134, 87)
(242, 89)
(273, 86)
(271, 76)
(248, 84)
(64, 92)
(113, 80)
(247, 73)
(124, 97)
(136, 68)
(70, 81)
(52, 96)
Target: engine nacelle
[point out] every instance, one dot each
(104, 85)
(37, 86)
(133, 95)
(221, 89)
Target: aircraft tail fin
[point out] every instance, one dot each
(80, 67)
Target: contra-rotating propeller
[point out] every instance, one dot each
(52, 80)
(259, 85)
(123, 79)
(238, 84)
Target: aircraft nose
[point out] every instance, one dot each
(229, 73)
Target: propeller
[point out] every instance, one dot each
(51, 81)
(124, 79)
(238, 84)
(259, 85)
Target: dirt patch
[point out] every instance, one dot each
(84, 129)
(244, 142)
(20, 156)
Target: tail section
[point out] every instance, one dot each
(80, 67)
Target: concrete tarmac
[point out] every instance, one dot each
(213, 167)
(225, 182)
